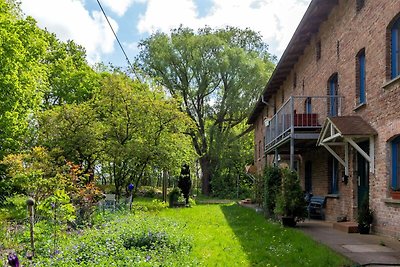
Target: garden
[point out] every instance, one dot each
(151, 234)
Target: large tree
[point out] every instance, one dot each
(218, 74)
(22, 76)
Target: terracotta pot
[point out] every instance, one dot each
(395, 194)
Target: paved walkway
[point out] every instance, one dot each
(364, 250)
(367, 250)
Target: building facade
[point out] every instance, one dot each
(331, 109)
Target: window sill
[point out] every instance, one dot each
(332, 196)
(391, 201)
(389, 83)
(360, 106)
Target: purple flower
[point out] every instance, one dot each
(13, 259)
(148, 257)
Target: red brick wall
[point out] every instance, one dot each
(342, 36)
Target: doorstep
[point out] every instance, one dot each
(347, 227)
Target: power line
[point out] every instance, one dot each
(119, 43)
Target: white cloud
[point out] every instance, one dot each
(71, 21)
(120, 6)
(276, 20)
(165, 15)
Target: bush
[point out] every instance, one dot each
(149, 191)
(14, 208)
(173, 196)
(290, 200)
(184, 182)
(272, 183)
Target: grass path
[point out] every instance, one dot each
(230, 235)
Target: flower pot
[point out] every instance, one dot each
(363, 229)
(288, 221)
(395, 194)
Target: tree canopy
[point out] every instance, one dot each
(218, 74)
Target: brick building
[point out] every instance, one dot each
(331, 109)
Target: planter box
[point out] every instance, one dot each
(395, 194)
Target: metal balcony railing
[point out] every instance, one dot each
(300, 113)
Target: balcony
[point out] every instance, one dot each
(300, 118)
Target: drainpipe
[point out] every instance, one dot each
(264, 102)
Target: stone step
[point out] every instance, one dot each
(347, 227)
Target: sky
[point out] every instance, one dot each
(134, 20)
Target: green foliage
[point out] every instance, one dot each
(127, 240)
(14, 208)
(184, 182)
(272, 188)
(22, 47)
(35, 173)
(173, 196)
(143, 130)
(290, 199)
(73, 132)
(218, 74)
(70, 78)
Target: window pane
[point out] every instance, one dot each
(361, 60)
(396, 182)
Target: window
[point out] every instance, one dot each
(259, 149)
(333, 101)
(283, 96)
(359, 4)
(307, 105)
(396, 163)
(294, 80)
(333, 169)
(318, 50)
(360, 77)
(394, 49)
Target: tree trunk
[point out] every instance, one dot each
(206, 169)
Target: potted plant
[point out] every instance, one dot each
(365, 217)
(290, 203)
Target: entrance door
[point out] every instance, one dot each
(362, 174)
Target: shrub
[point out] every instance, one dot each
(272, 183)
(290, 199)
(173, 196)
(184, 182)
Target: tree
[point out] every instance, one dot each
(218, 74)
(22, 75)
(74, 132)
(184, 182)
(142, 127)
(70, 78)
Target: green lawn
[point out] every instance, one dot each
(230, 235)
